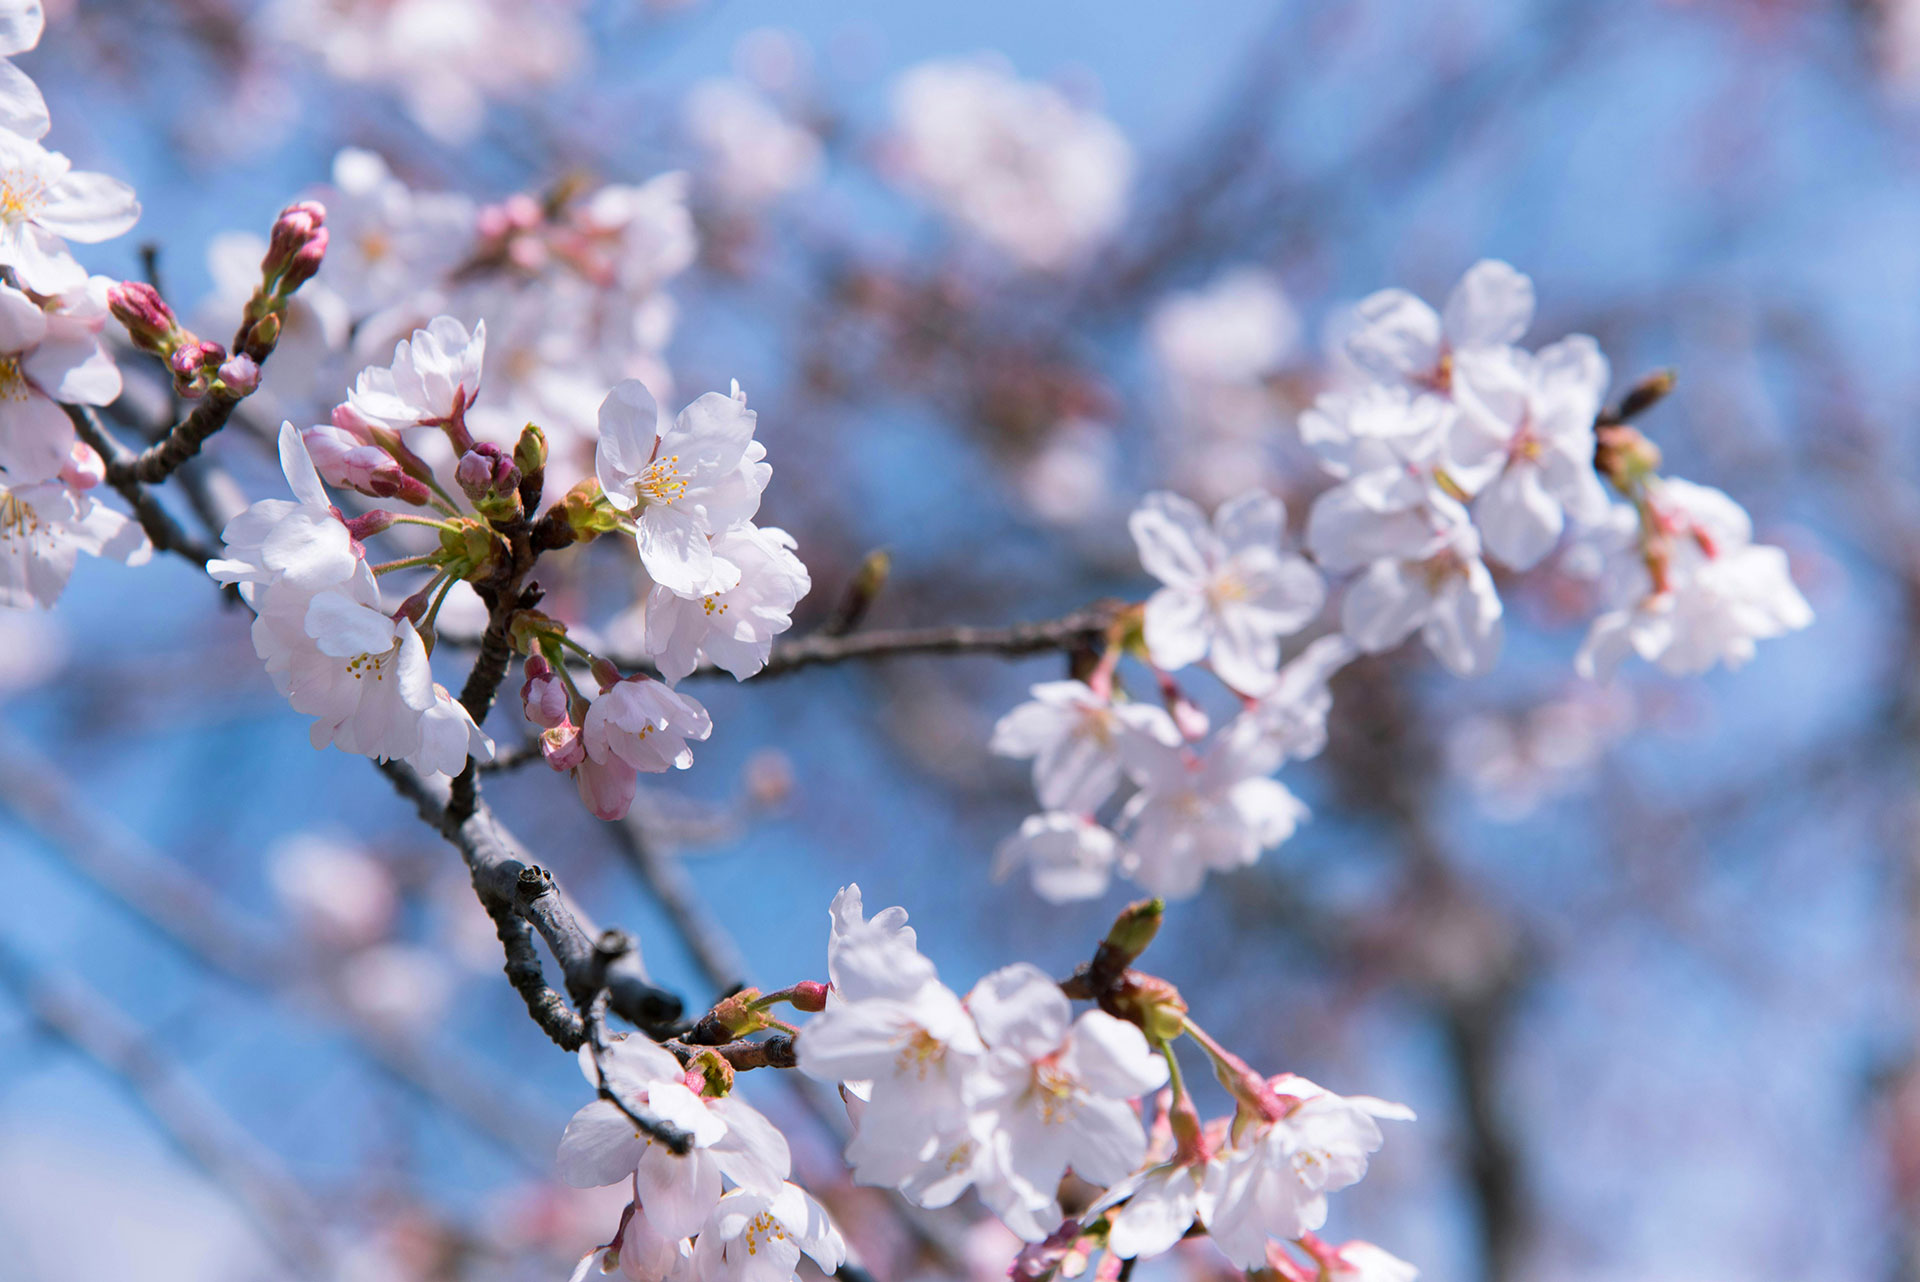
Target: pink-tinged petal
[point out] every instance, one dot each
(1492, 305)
(1177, 628)
(710, 435)
(629, 429)
(606, 787)
(1176, 544)
(1396, 336)
(676, 553)
(1383, 606)
(74, 371)
(343, 628)
(1112, 1057)
(1464, 628)
(41, 261)
(22, 107)
(599, 1147)
(1519, 521)
(1019, 1008)
(89, 207)
(301, 475)
(22, 323)
(753, 1153)
(21, 24)
(36, 438)
(1254, 520)
(677, 1192)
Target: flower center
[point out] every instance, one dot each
(365, 664)
(22, 195)
(763, 1227)
(1054, 1091)
(663, 481)
(13, 381)
(17, 519)
(922, 1053)
(1226, 589)
(714, 605)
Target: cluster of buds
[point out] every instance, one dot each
(295, 250)
(196, 364)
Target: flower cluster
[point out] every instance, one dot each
(1017, 164)
(52, 314)
(572, 282)
(1448, 442)
(1004, 1091)
(721, 587)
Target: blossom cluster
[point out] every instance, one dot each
(715, 586)
(52, 314)
(1449, 446)
(1005, 1092)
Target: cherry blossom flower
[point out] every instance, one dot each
(1439, 588)
(448, 736)
(1054, 1093)
(732, 629)
(754, 1236)
(1215, 812)
(1720, 592)
(1400, 339)
(1014, 162)
(690, 482)
(303, 542)
(1378, 429)
(434, 377)
(645, 724)
(1272, 1184)
(900, 1033)
(1074, 736)
(1068, 855)
(1291, 714)
(1534, 416)
(44, 203)
(1230, 594)
(22, 108)
(731, 1140)
(45, 360)
(45, 526)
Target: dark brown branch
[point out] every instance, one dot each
(1081, 629)
(775, 1052)
(504, 878)
(164, 532)
(159, 461)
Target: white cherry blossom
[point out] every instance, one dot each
(733, 628)
(1439, 588)
(753, 1236)
(1272, 1184)
(1068, 855)
(695, 479)
(434, 377)
(45, 202)
(1212, 812)
(1055, 1093)
(45, 360)
(1230, 593)
(645, 724)
(46, 525)
(1074, 736)
(1721, 593)
(1400, 339)
(1532, 417)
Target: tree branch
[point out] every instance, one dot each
(159, 461)
(164, 532)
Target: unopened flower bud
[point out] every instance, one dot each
(809, 995)
(290, 247)
(530, 451)
(488, 477)
(149, 322)
(263, 336)
(195, 363)
(1133, 930)
(606, 674)
(1624, 456)
(1150, 1003)
(240, 374)
(710, 1075)
(543, 695)
(368, 524)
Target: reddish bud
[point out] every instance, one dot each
(148, 320)
(607, 675)
(809, 995)
(370, 524)
(240, 374)
(295, 232)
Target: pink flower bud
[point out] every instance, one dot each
(85, 468)
(297, 228)
(351, 420)
(368, 524)
(305, 264)
(607, 675)
(241, 374)
(810, 995)
(148, 319)
(544, 695)
(194, 363)
(563, 747)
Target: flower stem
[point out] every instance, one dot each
(406, 563)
